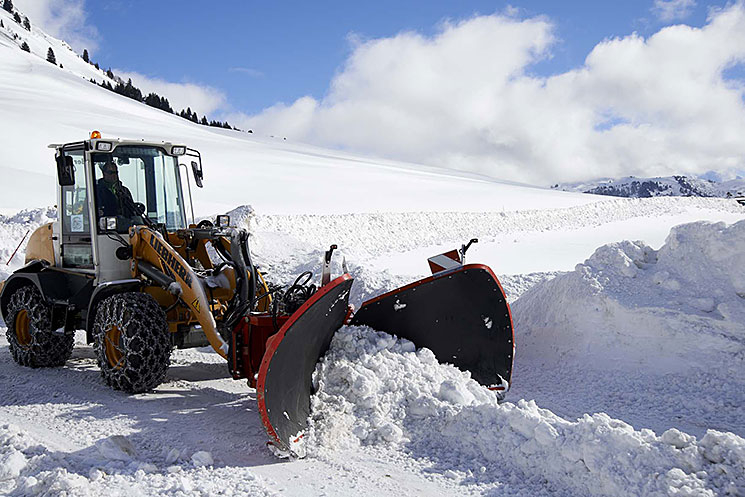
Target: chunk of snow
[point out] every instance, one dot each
(116, 448)
(11, 464)
(172, 456)
(202, 458)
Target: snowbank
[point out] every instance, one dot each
(376, 390)
(372, 234)
(12, 230)
(677, 309)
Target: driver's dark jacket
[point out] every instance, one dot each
(114, 204)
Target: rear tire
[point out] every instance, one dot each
(30, 332)
(131, 341)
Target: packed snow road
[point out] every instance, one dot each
(628, 378)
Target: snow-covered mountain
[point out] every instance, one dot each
(669, 186)
(629, 374)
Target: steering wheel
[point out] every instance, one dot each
(205, 223)
(140, 207)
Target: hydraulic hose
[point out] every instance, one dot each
(245, 290)
(254, 277)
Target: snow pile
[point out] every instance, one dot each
(12, 230)
(376, 390)
(629, 307)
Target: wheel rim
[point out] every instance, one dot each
(113, 348)
(23, 329)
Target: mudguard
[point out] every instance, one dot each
(461, 314)
(284, 384)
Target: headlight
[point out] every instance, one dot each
(223, 221)
(107, 223)
(178, 150)
(103, 146)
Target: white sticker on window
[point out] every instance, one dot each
(76, 223)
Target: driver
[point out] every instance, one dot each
(114, 199)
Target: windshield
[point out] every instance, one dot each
(132, 175)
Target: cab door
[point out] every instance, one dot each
(76, 247)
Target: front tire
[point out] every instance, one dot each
(30, 334)
(131, 341)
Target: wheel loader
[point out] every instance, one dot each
(123, 263)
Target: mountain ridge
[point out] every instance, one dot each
(660, 186)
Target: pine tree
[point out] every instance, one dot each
(96, 66)
(27, 24)
(25, 47)
(132, 91)
(152, 100)
(85, 55)
(8, 5)
(166, 105)
(17, 17)
(204, 121)
(109, 73)
(1, 24)
(50, 56)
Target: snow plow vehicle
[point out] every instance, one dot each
(123, 264)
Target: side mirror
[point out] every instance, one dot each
(196, 168)
(65, 171)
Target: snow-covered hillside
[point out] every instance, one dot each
(39, 44)
(671, 186)
(43, 104)
(629, 374)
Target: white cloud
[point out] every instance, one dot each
(465, 98)
(63, 19)
(672, 10)
(203, 100)
(247, 71)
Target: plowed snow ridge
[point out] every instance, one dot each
(373, 234)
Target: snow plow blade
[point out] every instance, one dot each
(284, 383)
(461, 315)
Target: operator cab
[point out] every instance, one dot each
(117, 184)
(134, 182)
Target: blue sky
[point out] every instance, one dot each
(261, 53)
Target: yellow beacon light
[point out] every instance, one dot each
(95, 134)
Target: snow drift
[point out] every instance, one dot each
(628, 306)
